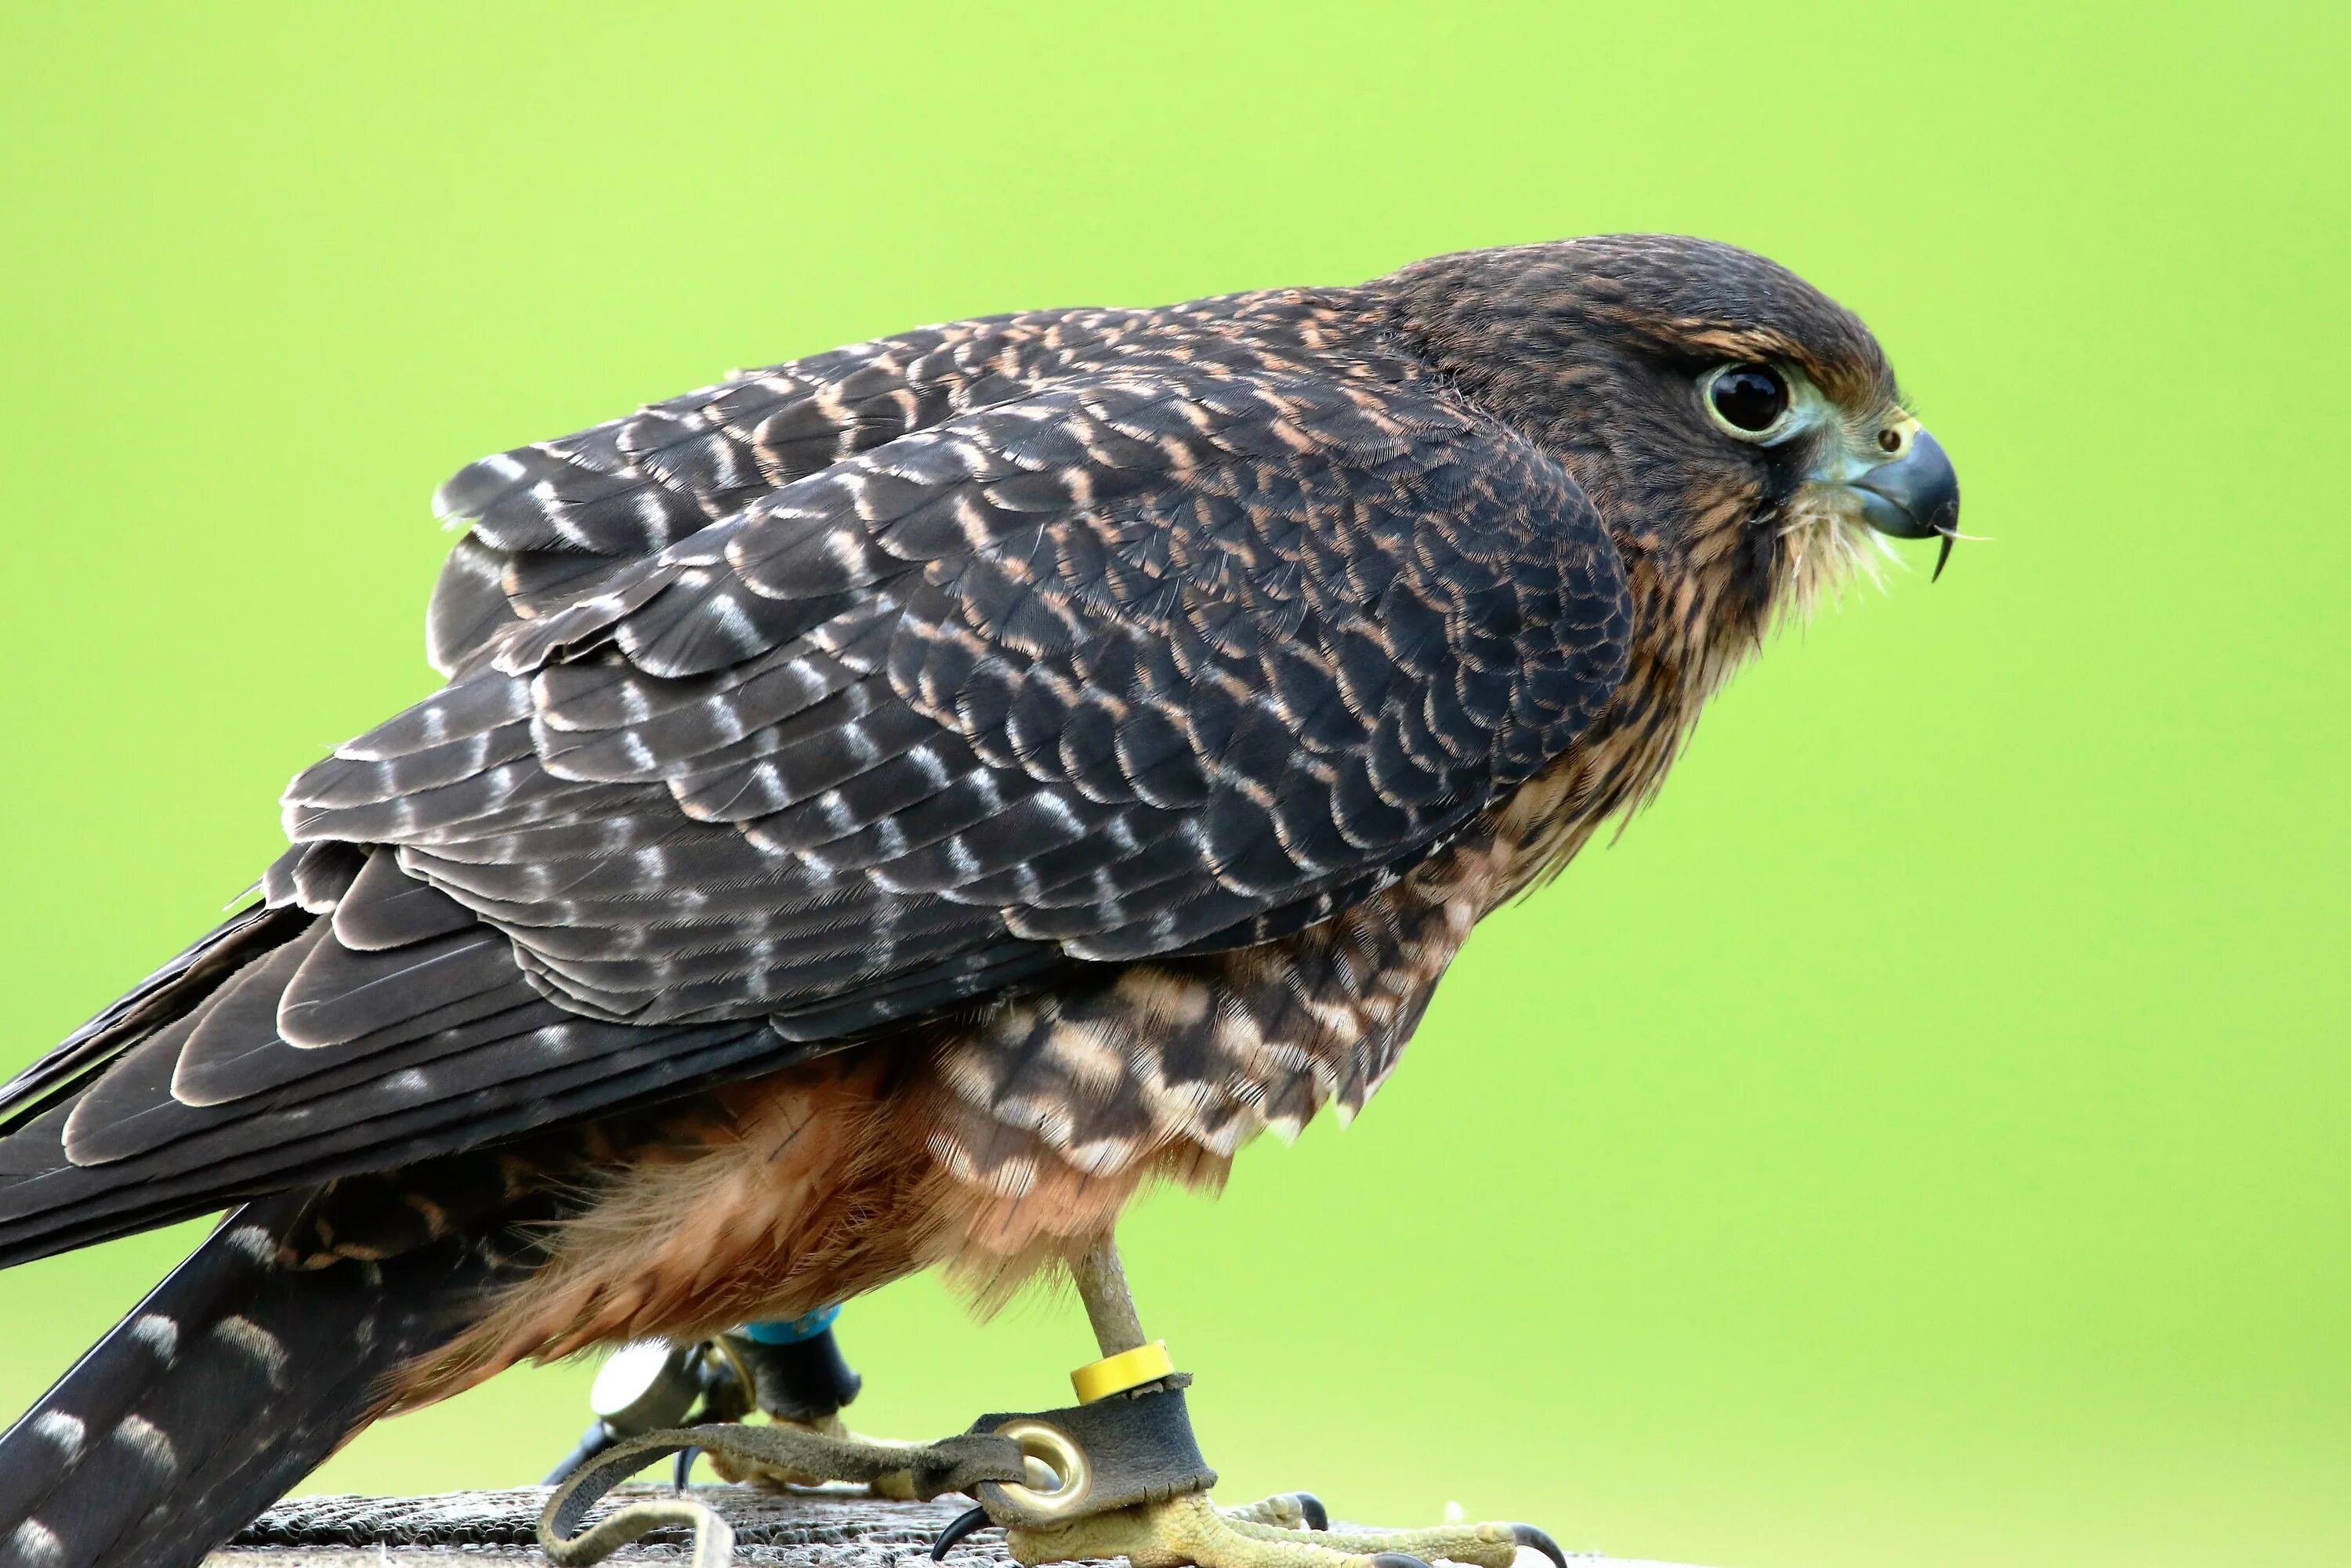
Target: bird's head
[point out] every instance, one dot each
(1733, 423)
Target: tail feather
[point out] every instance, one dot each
(231, 1381)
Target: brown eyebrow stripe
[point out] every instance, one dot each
(1855, 381)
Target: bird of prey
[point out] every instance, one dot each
(886, 808)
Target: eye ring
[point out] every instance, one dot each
(1748, 401)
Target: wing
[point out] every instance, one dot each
(1170, 660)
(1158, 661)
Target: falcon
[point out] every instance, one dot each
(886, 809)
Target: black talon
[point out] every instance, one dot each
(684, 1473)
(598, 1438)
(1317, 1516)
(1528, 1535)
(1394, 1560)
(963, 1524)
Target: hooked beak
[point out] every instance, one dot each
(1915, 497)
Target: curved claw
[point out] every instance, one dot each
(958, 1527)
(1317, 1516)
(684, 1471)
(594, 1441)
(1394, 1560)
(1528, 1535)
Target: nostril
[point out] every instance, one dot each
(1890, 439)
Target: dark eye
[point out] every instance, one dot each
(1748, 398)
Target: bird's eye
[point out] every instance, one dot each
(1748, 401)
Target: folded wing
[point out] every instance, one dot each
(769, 730)
(1153, 661)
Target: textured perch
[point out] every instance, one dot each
(812, 1530)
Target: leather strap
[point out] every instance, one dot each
(960, 1464)
(1113, 1453)
(1135, 1447)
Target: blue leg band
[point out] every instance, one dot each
(790, 1331)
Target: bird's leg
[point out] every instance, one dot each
(792, 1370)
(1110, 1305)
(795, 1374)
(1288, 1530)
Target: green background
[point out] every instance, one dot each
(1922, 1140)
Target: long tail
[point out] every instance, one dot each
(219, 1392)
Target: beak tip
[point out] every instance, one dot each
(1915, 497)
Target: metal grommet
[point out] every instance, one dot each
(1041, 1444)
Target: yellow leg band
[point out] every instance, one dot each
(1127, 1369)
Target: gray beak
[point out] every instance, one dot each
(1914, 498)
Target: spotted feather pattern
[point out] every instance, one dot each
(234, 1378)
(955, 664)
(553, 520)
(1109, 1074)
(1164, 659)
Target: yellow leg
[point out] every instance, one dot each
(1191, 1529)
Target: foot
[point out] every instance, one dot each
(1274, 1534)
(898, 1485)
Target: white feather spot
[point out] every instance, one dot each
(1055, 807)
(925, 758)
(253, 1241)
(255, 1341)
(158, 1333)
(847, 550)
(728, 611)
(36, 1543)
(149, 1441)
(65, 1431)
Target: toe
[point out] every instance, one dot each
(1283, 1511)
